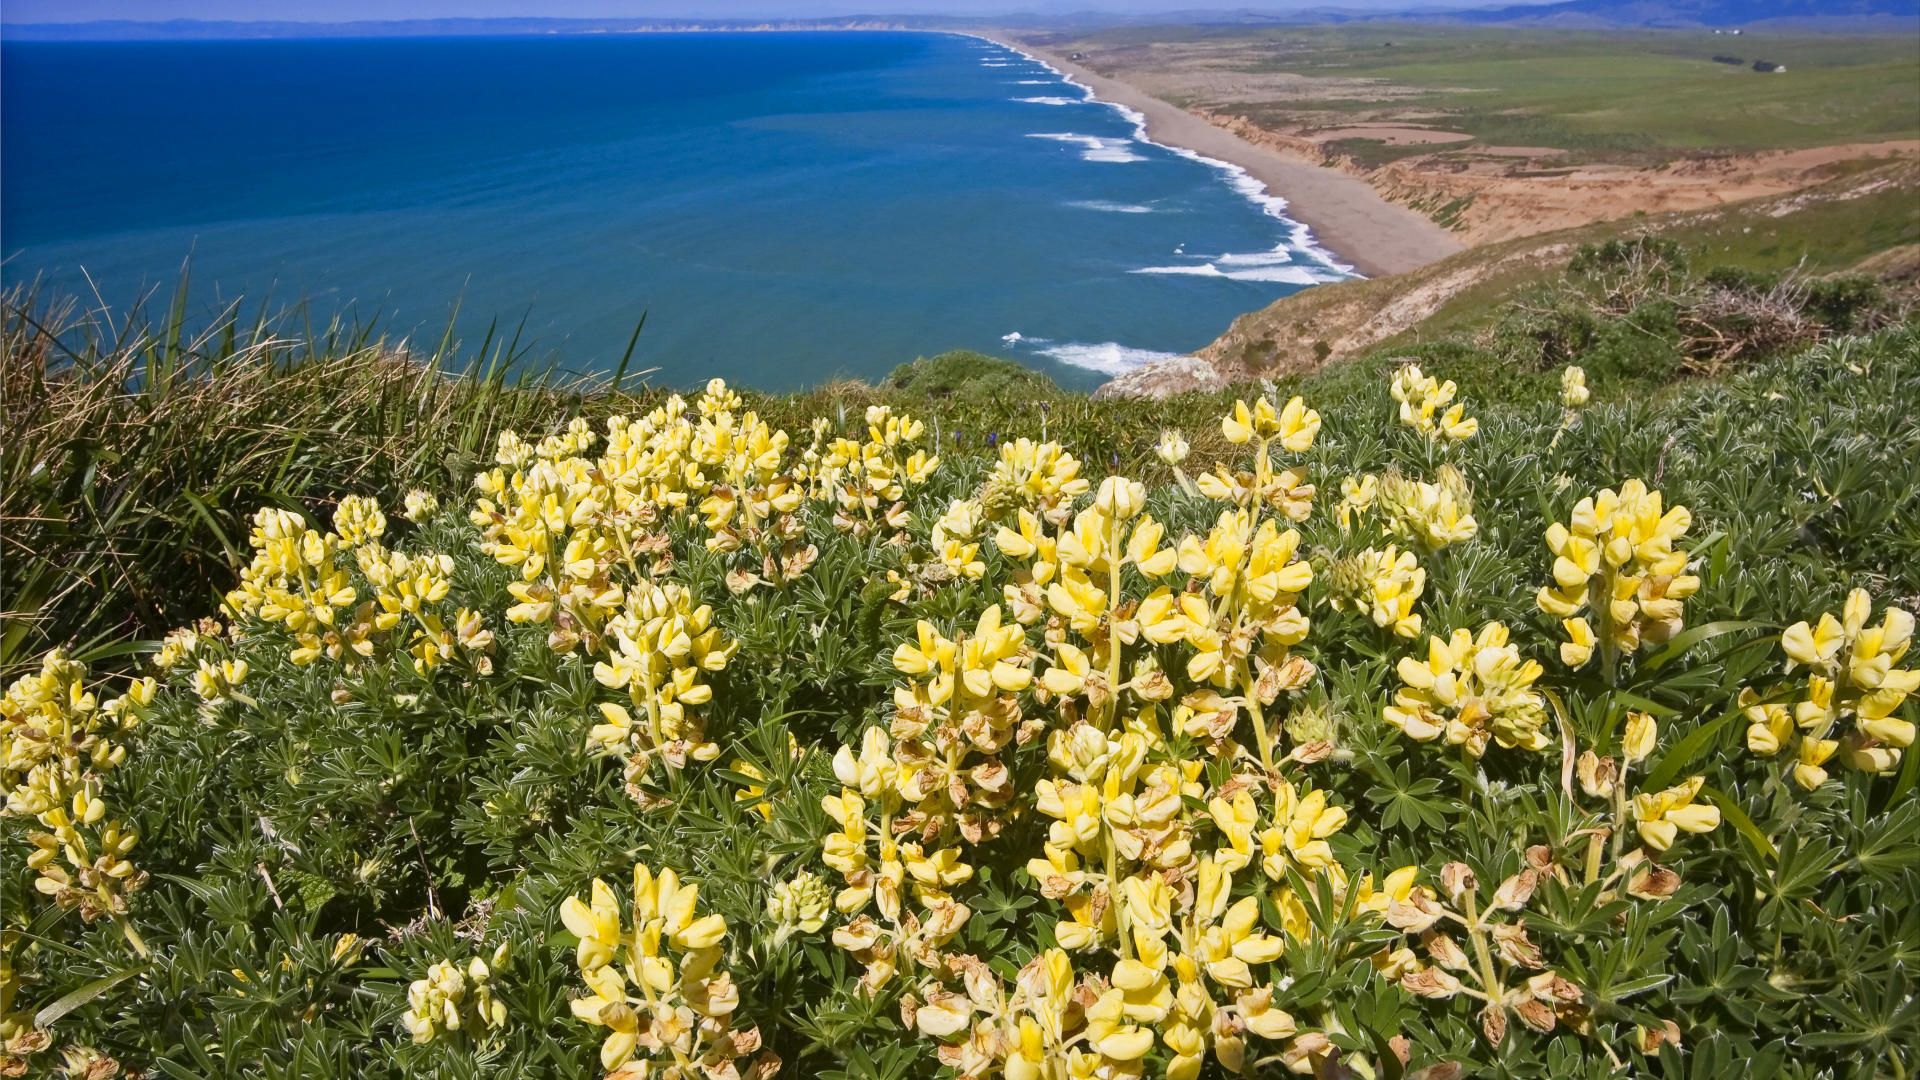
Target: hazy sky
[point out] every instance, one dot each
(349, 10)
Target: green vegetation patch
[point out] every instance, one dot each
(1592, 93)
(1406, 727)
(969, 376)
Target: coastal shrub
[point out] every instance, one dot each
(969, 376)
(1417, 738)
(1632, 309)
(1641, 257)
(1546, 331)
(1840, 303)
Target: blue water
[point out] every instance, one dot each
(784, 208)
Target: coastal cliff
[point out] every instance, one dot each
(1471, 296)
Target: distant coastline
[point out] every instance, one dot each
(1344, 213)
(273, 29)
(1302, 239)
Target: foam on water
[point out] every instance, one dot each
(1270, 266)
(1300, 237)
(1106, 357)
(1291, 275)
(1051, 101)
(1108, 206)
(1094, 147)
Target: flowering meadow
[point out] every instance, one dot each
(1386, 732)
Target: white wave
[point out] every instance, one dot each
(994, 63)
(1202, 270)
(1036, 82)
(1094, 147)
(1263, 266)
(1277, 257)
(1051, 100)
(1106, 357)
(1018, 338)
(1110, 207)
(1299, 236)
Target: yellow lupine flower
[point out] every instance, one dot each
(1382, 585)
(1618, 559)
(1298, 838)
(1770, 726)
(1427, 405)
(58, 743)
(1253, 582)
(1357, 495)
(1432, 516)
(655, 983)
(1811, 758)
(1852, 675)
(955, 539)
(294, 579)
(1573, 387)
(799, 905)
(1642, 733)
(867, 481)
(420, 505)
(455, 999)
(1471, 689)
(662, 648)
(1032, 476)
(1295, 426)
(359, 521)
(1172, 448)
(1661, 816)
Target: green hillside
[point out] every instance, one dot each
(1611, 95)
(1513, 311)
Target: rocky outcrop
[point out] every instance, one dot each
(1164, 378)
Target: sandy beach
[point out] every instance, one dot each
(1347, 216)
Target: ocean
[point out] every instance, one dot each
(784, 208)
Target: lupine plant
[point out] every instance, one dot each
(1392, 734)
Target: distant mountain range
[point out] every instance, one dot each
(1696, 13)
(1836, 15)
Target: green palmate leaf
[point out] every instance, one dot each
(1623, 990)
(1692, 746)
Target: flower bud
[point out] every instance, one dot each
(1642, 733)
(1173, 448)
(1120, 498)
(801, 904)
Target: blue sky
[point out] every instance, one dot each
(350, 10)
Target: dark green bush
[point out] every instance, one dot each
(969, 376)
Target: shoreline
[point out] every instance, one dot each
(1343, 213)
